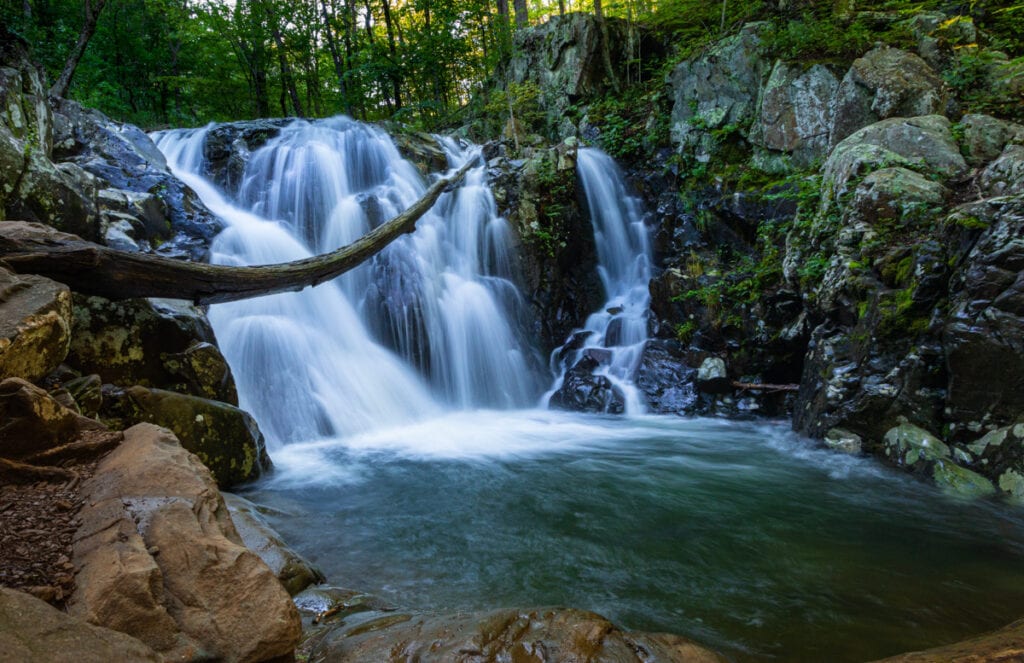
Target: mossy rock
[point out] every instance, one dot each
(226, 439)
(960, 482)
(907, 445)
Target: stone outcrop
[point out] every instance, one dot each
(552, 634)
(31, 630)
(158, 558)
(32, 421)
(35, 325)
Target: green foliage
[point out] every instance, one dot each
(983, 80)
(557, 188)
(819, 35)
(696, 23)
(685, 331)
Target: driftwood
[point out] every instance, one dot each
(92, 269)
(765, 387)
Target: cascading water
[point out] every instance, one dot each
(312, 364)
(614, 336)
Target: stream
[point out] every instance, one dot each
(413, 461)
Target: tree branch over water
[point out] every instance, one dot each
(92, 269)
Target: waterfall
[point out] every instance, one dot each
(613, 338)
(430, 323)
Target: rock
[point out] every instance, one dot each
(87, 393)
(796, 111)
(1001, 645)
(158, 558)
(35, 325)
(151, 342)
(226, 439)
(718, 88)
(32, 630)
(512, 635)
(228, 147)
(960, 482)
(422, 149)
(923, 144)
(1000, 455)
(1005, 175)
(843, 441)
(666, 382)
(582, 391)
(885, 83)
(31, 420)
(983, 334)
(712, 377)
(294, 572)
(906, 445)
(895, 194)
(985, 137)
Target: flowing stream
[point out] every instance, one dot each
(411, 462)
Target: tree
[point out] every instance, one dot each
(92, 11)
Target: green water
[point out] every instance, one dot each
(741, 536)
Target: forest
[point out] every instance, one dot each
(161, 63)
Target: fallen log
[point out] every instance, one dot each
(92, 269)
(765, 387)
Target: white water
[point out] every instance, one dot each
(617, 333)
(428, 325)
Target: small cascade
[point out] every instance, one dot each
(430, 322)
(597, 364)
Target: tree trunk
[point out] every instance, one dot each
(287, 79)
(598, 11)
(32, 248)
(396, 80)
(92, 14)
(522, 15)
(339, 64)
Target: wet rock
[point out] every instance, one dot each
(158, 558)
(228, 147)
(151, 342)
(583, 391)
(844, 441)
(907, 445)
(294, 572)
(666, 382)
(31, 420)
(514, 635)
(984, 331)
(1001, 645)
(31, 630)
(421, 149)
(226, 439)
(35, 325)
(885, 83)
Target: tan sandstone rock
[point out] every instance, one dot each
(159, 558)
(31, 420)
(35, 325)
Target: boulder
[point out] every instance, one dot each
(151, 342)
(796, 111)
(31, 420)
(907, 445)
(885, 83)
(33, 630)
(960, 482)
(843, 441)
(985, 137)
(923, 144)
(1000, 455)
(87, 392)
(719, 88)
(712, 376)
(294, 572)
(1005, 175)
(158, 558)
(226, 439)
(35, 325)
(552, 634)
(228, 147)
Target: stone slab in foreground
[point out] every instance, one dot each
(158, 557)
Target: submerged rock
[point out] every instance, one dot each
(553, 634)
(294, 572)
